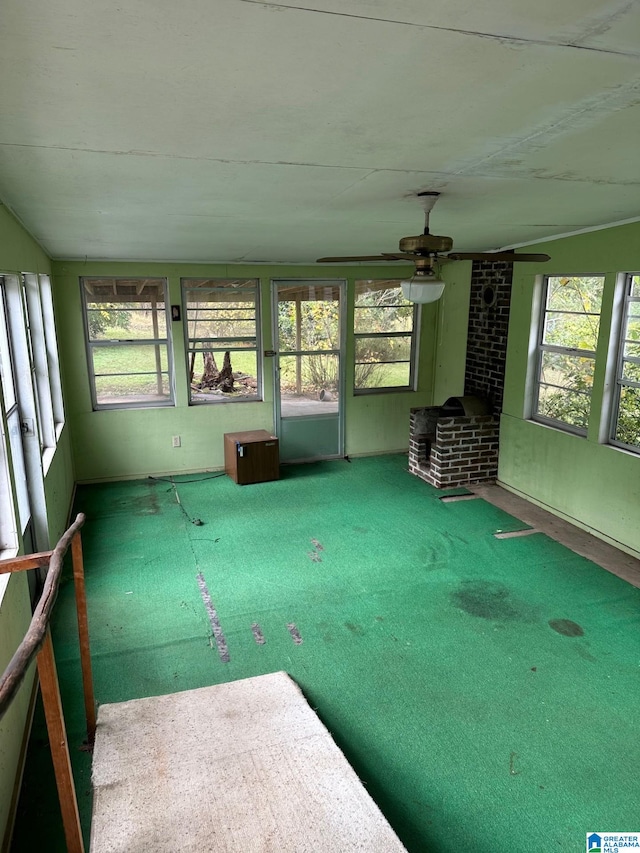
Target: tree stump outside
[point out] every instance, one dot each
(211, 373)
(225, 377)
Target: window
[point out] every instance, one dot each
(626, 411)
(38, 359)
(385, 331)
(567, 350)
(11, 440)
(127, 344)
(51, 346)
(222, 328)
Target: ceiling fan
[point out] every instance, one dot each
(427, 251)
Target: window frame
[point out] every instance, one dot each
(39, 362)
(223, 284)
(45, 290)
(541, 348)
(128, 342)
(618, 381)
(8, 408)
(414, 334)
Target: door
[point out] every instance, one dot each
(309, 383)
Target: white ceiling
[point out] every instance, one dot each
(242, 130)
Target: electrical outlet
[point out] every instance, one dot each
(175, 441)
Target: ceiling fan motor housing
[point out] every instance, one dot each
(426, 244)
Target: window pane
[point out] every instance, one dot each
(382, 310)
(6, 369)
(396, 318)
(131, 373)
(222, 344)
(130, 358)
(632, 326)
(19, 469)
(132, 389)
(573, 331)
(375, 375)
(567, 371)
(52, 349)
(631, 349)
(309, 384)
(575, 293)
(125, 309)
(222, 328)
(8, 538)
(376, 349)
(635, 286)
(565, 388)
(627, 429)
(208, 385)
(309, 323)
(630, 371)
(564, 405)
(126, 321)
(39, 361)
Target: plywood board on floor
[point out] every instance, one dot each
(245, 767)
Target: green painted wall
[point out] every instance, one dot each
(137, 442)
(451, 336)
(589, 482)
(15, 615)
(20, 253)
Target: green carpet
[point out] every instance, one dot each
(426, 649)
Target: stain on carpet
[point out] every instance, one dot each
(566, 627)
(490, 600)
(141, 505)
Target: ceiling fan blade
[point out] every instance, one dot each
(392, 256)
(494, 256)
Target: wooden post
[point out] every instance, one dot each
(156, 332)
(83, 636)
(298, 346)
(59, 747)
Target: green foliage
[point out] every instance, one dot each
(628, 425)
(572, 316)
(108, 316)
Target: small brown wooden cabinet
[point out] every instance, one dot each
(251, 456)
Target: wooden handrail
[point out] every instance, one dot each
(34, 638)
(28, 561)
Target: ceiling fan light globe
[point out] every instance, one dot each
(421, 290)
